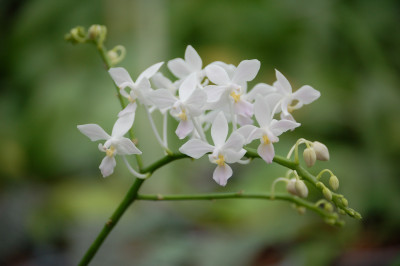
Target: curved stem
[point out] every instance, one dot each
(132, 171)
(153, 126)
(112, 221)
(242, 195)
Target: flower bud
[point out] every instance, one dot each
(94, 32)
(301, 210)
(327, 193)
(291, 186)
(334, 182)
(321, 151)
(309, 156)
(301, 188)
(345, 202)
(328, 207)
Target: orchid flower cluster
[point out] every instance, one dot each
(201, 98)
(218, 114)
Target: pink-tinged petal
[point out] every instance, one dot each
(278, 127)
(150, 71)
(187, 87)
(121, 77)
(219, 130)
(129, 109)
(184, 128)
(193, 59)
(162, 98)
(125, 146)
(246, 71)
(217, 75)
(196, 148)
(247, 131)
(235, 142)
(214, 93)
(262, 112)
(283, 84)
(93, 131)
(232, 156)
(179, 67)
(306, 95)
(266, 152)
(196, 102)
(244, 108)
(260, 90)
(107, 166)
(122, 125)
(244, 120)
(222, 174)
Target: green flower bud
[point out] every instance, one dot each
(321, 151)
(345, 202)
(334, 182)
(301, 210)
(327, 193)
(309, 156)
(328, 207)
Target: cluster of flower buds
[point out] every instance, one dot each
(209, 97)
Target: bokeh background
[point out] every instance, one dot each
(53, 200)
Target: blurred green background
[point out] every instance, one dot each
(53, 200)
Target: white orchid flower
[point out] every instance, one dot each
(138, 89)
(186, 108)
(192, 63)
(223, 152)
(268, 131)
(114, 144)
(229, 89)
(287, 100)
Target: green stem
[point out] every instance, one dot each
(109, 225)
(337, 199)
(241, 195)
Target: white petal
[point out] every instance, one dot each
(142, 91)
(306, 95)
(244, 120)
(214, 93)
(150, 71)
(179, 67)
(232, 156)
(129, 109)
(196, 102)
(162, 82)
(235, 142)
(248, 131)
(283, 84)
(246, 71)
(217, 75)
(219, 130)
(187, 87)
(222, 174)
(162, 98)
(184, 128)
(261, 89)
(278, 127)
(196, 148)
(121, 77)
(107, 166)
(262, 112)
(122, 125)
(193, 59)
(93, 132)
(125, 146)
(266, 152)
(243, 107)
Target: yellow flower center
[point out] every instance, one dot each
(182, 115)
(221, 160)
(130, 99)
(235, 96)
(110, 151)
(292, 105)
(266, 139)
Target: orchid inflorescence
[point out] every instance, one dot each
(215, 98)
